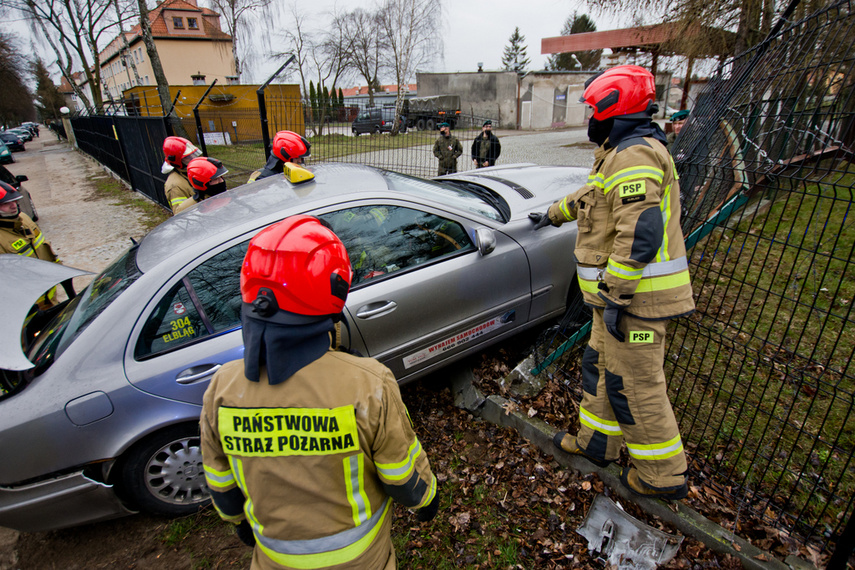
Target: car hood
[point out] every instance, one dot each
(24, 280)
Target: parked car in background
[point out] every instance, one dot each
(99, 412)
(5, 154)
(12, 141)
(377, 121)
(22, 132)
(26, 204)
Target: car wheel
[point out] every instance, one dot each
(420, 124)
(355, 132)
(430, 125)
(376, 130)
(163, 474)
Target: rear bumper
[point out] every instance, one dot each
(65, 501)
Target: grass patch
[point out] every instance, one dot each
(152, 214)
(764, 380)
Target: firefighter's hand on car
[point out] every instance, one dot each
(540, 220)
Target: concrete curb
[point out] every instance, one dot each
(686, 519)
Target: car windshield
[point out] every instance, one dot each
(463, 198)
(82, 310)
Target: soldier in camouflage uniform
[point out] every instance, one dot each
(447, 149)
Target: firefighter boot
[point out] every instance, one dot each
(630, 479)
(566, 442)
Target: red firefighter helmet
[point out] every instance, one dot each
(179, 151)
(621, 90)
(202, 170)
(8, 193)
(297, 265)
(288, 145)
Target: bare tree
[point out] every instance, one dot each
(154, 59)
(75, 29)
(411, 38)
(319, 56)
(365, 48)
(237, 14)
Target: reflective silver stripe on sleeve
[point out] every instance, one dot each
(651, 270)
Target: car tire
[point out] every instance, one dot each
(163, 474)
(376, 130)
(420, 124)
(430, 125)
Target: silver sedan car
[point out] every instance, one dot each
(100, 403)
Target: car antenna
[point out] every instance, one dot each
(133, 241)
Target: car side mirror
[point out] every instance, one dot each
(21, 178)
(485, 239)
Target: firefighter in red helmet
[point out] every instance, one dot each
(206, 178)
(20, 235)
(305, 447)
(632, 268)
(177, 152)
(287, 146)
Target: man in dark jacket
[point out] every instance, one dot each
(447, 149)
(486, 147)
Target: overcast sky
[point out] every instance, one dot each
(474, 30)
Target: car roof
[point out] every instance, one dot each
(260, 203)
(256, 205)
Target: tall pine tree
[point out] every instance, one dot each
(584, 60)
(47, 94)
(515, 54)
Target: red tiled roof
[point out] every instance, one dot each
(158, 21)
(363, 90)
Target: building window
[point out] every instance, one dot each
(137, 55)
(193, 23)
(142, 55)
(146, 79)
(178, 23)
(198, 79)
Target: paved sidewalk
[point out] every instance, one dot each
(86, 231)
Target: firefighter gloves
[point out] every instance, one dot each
(245, 534)
(429, 511)
(540, 220)
(611, 318)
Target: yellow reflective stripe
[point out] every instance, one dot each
(178, 200)
(674, 167)
(596, 180)
(431, 494)
(633, 173)
(656, 451)
(403, 469)
(623, 271)
(650, 284)
(40, 239)
(218, 479)
(335, 557)
(588, 285)
(565, 211)
(354, 477)
(665, 208)
(606, 427)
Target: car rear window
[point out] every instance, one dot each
(454, 196)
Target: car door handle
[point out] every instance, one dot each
(374, 310)
(197, 373)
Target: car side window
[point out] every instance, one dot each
(176, 320)
(385, 239)
(217, 286)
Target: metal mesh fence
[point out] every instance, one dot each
(762, 375)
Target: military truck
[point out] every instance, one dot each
(425, 113)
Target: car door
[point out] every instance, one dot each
(190, 328)
(422, 293)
